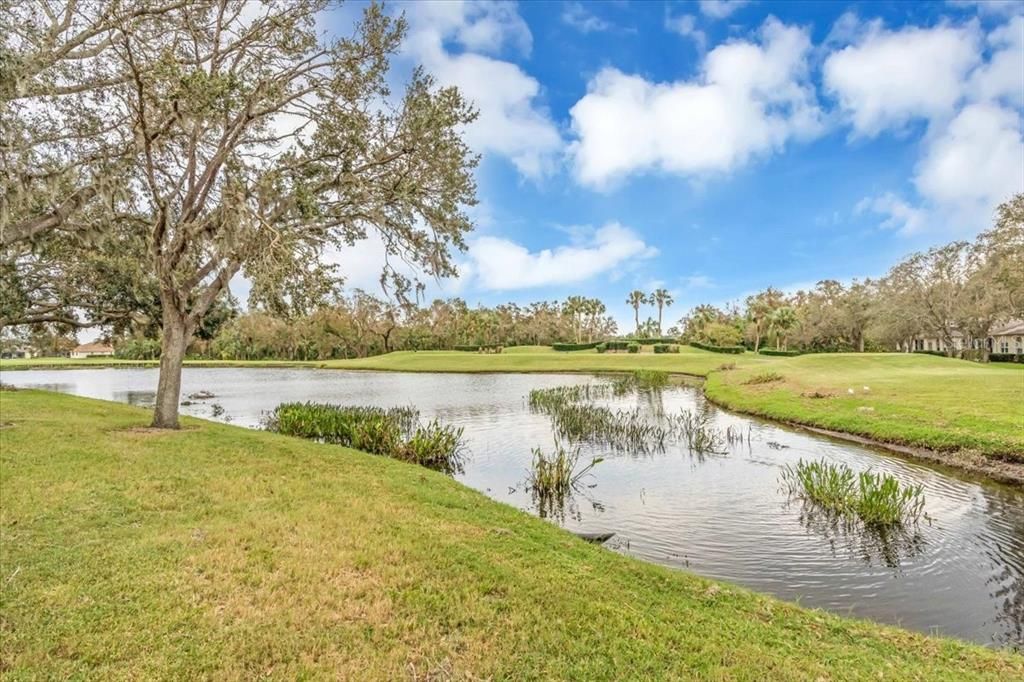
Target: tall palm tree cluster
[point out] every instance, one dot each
(659, 297)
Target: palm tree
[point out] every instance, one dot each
(636, 299)
(662, 299)
(782, 321)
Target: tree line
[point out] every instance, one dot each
(960, 290)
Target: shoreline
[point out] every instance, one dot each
(991, 468)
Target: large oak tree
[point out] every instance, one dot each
(230, 137)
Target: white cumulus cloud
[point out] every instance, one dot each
(720, 9)
(750, 98)
(975, 163)
(888, 78)
(512, 123)
(899, 215)
(498, 263)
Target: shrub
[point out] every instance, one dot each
(650, 341)
(783, 353)
(468, 348)
(574, 346)
(601, 347)
(633, 347)
(718, 349)
(617, 345)
(720, 334)
(1005, 357)
(764, 378)
(938, 353)
(138, 349)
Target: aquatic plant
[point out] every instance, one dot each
(698, 432)
(558, 473)
(650, 378)
(626, 430)
(393, 432)
(876, 499)
(436, 446)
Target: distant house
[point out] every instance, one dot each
(93, 350)
(19, 352)
(1006, 338)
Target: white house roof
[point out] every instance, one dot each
(94, 348)
(1009, 328)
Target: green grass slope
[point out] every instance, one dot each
(219, 552)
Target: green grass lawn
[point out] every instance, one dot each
(220, 552)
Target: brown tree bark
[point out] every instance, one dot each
(176, 337)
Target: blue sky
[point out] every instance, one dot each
(717, 148)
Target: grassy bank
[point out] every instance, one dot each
(918, 400)
(228, 553)
(78, 363)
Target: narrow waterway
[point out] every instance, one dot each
(960, 573)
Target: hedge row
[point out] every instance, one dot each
(666, 348)
(735, 350)
(653, 340)
(1006, 357)
(938, 353)
(574, 346)
(784, 353)
(492, 347)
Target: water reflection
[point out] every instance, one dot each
(887, 546)
(720, 516)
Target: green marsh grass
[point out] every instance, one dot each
(393, 432)
(876, 499)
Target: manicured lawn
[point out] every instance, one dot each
(220, 552)
(919, 400)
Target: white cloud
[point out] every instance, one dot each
(993, 7)
(686, 26)
(487, 27)
(975, 163)
(1003, 75)
(888, 78)
(900, 215)
(502, 264)
(749, 99)
(512, 123)
(720, 9)
(580, 18)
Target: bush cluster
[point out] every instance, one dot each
(575, 346)
(650, 341)
(666, 348)
(736, 350)
(633, 347)
(1006, 357)
(480, 348)
(138, 349)
(783, 353)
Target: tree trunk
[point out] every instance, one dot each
(636, 318)
(757, 340)
(176, 335)
(860, 343)
(659, 319)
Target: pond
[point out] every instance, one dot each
(960, 572)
